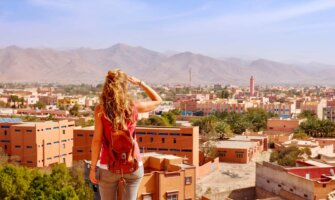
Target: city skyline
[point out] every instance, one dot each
(299, 31)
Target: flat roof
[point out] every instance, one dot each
(33, 124)
(158, 155)
(157, 127)
(316, 163)
(84, 128)
(246, 137)
(231, 144)
(10, 120)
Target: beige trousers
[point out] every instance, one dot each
(108, 184)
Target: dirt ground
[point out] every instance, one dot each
(230, 176)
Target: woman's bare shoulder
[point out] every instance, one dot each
(98, 109)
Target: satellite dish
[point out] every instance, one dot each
(332, 172)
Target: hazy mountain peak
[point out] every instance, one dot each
(90, 65)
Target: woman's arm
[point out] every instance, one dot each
(96, 143)
(149, 105)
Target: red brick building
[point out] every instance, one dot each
(179, 141)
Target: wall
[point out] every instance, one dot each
(186, 145)
(231, 155)
(244, 193)
(289, 126)
(274, 178)
(207, 168)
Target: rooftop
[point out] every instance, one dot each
(157, 155)
(246, 137)
(10, 120)
(84, 128)
(230, 144)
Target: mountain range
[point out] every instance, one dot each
(85, 65)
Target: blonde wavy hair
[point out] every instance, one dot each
(114, 99)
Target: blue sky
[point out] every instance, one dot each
(282, 30)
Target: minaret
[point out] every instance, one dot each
(252, 86)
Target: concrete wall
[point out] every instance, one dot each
(274, 179)
(82, 143)
(276, 124)
(207, 168)
(244, 193)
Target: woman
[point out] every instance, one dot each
(116, 110)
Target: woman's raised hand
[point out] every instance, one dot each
(133, 80)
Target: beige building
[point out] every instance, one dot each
(39, 144)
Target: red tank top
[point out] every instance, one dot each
(107, 130)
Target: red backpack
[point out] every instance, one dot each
(121, 157)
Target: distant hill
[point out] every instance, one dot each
(84, 65)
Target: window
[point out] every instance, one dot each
(17, 130)
(172, 195)
(186, 134)
(49, 143)
(186, 150)
(239, 154)
(56, 142)
(48, 129)
(63, 131)
(222, 153)
(29, 147)
(63, 126)
(48, 158)
(151, 139)
(140, 133)
(176, 150)
(151, 133)
(174, 140)
(5, 146)
(162, 134)
(91, 135)
(17, 146)
(4, 126)
(175, 134)
(29, 131)
(5, 132)
(80, 135)
(188, 180)
(146, 196)
(63, 140)
(63, 146)
(163, 140)
(140, 139)
(80, 151)
(56, 127)
(29, 161)
(162, 149)
(64, 160)
(152, 149)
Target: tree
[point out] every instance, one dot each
(154, 121)
(289, 155)
(74, 111)
(170, 117)
(300, 136)
(307, 114)
(208, 149)
(257, 118)
(223, 130)
(39, 105)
